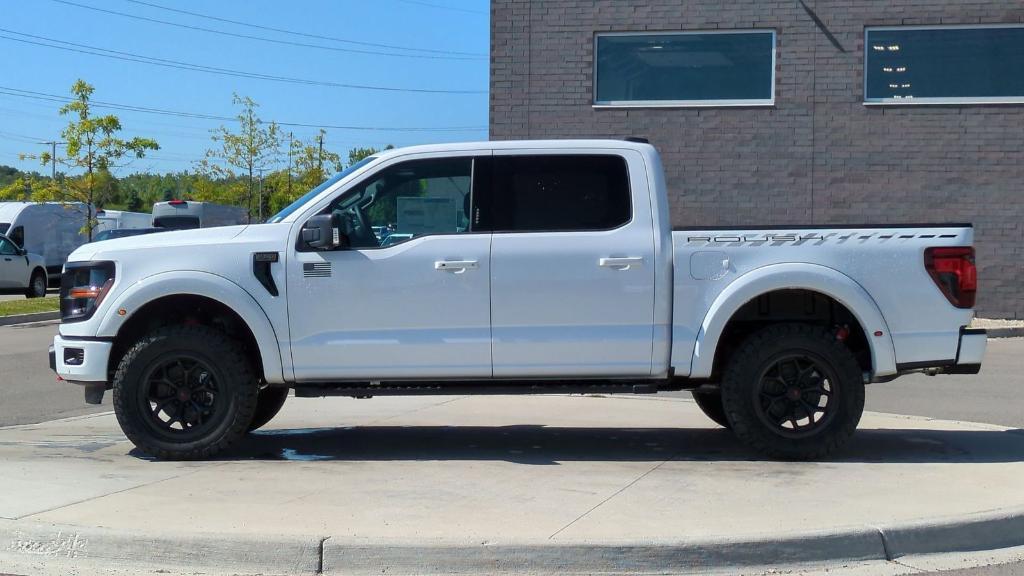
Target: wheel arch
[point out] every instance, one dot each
(813, 278)
(215, 296)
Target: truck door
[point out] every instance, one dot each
(12, 266)
(572, 265)
(409, 298)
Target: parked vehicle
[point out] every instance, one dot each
(187, 214)
(20, 271)
(50, 229)
(121, 220)
(530, 267)
(125, 232)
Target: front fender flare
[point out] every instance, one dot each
(794, 276)
(211, 286)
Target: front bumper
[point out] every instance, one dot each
(82, 361)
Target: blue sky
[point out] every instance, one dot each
(455, 32)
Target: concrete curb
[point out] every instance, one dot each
(22, 543)
(26, 318)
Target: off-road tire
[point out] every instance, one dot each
(36, 285)
(268, 403)
(230, 368)
(710, 403)
(741, 382)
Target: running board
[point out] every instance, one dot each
(460, 387)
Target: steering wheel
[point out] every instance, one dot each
(361, 233)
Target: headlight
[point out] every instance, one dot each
(82, 287)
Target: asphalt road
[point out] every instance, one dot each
(30, 393)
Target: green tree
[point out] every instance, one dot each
(92, 145)
(256, 145)
(357, 154)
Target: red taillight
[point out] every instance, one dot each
(954, 273)
(177, 202)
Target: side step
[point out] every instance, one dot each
(494, 387)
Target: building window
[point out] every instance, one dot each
(944, 64)
(734, 68)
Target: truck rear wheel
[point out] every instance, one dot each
(184, 393)
(793, 391)
(268, 404)
(710, 403)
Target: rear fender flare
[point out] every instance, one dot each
(817, 278)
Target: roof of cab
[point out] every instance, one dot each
(515, 145)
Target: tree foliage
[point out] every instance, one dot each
(253, 147)
(92, 145)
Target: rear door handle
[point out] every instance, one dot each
(623, 263)
(456, 266)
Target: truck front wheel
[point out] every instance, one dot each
(793, 391)
(184, 392)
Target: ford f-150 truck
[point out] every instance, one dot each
(511, 268)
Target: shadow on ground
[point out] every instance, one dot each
(545, 445)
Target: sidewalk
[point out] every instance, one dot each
(553, 484)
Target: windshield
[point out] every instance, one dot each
(312, 193)
(4, 226)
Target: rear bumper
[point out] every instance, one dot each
(970, 352)
(82, 361)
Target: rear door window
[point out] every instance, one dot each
(559, 193)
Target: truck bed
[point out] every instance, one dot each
(875, 271)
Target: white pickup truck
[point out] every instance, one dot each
(511, 268)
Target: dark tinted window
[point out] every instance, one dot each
(559, 193)
(685, 68)
(176, 222)
(945, 64)
(18, 235)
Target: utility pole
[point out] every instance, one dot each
(53, 157)
(320, 153)
(291, 144)
(260, 197)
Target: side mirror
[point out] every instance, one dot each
(321, 233)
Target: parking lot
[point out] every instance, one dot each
(534, 477)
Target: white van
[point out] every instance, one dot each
(187, 214)
(120, 220)
(50, 229)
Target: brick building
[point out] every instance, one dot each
(763, 114)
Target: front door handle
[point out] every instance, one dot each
(456, 266)
(623, 263)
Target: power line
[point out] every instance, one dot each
(129, 57)
(439, 6)
(29, 139)
(303, 34)
(264, 38)
(199, 115)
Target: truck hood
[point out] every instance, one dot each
(158, 240)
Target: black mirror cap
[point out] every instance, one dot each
(318, 232)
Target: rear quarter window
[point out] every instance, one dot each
(560, 193)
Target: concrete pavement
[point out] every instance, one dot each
(503, 484)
